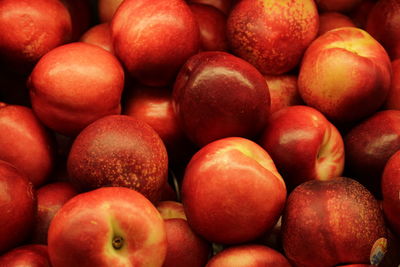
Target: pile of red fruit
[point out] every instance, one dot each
(218, 133)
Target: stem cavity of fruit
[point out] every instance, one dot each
(117, 242)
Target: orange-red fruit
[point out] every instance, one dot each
(26, 143)
(250, 255)
(119, 151)
(272, 34)
(17, 207)
(99, 35)
(337, 5)
(326, 223)
(393, 98)
(153, 39)
(74, 85)
(29, 29)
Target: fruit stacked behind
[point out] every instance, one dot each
(199, 133)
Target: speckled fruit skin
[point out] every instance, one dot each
(119, 151)
(82, 232)
(26, 143)
(17, 207)
(99, 35)
(212, 26)
(185, 248)
(393, 98)
(218, 95)
(272, 34)
(74, 85)
(283, 91)
(363, 67)
(383, 24)
(154, 40)
(250, 255)
(391, 191)
(370, 144)
(29, 29)
(326, 223)
(304, 145)
(232, 192)
(50, 198)
(332, 20)
(337, 5)
(33, 255)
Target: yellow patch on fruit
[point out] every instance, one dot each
(378, 251)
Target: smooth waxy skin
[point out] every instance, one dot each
(99, 35)
(332, 20)
(363, 67)
(154, 106)
(217, 95)
(304, 145)
(270, 34)
(30, 29)
(326, 223)
(391, 191)
(107, 8)
(171, 210)
(29, 255)
(83, 231)
(26, 143)
(185, 248)
(119, 151)
(370, 144)
(383, 24)
(283, 90)
(74, 85)
(17, 207)
(212, 26)
(154, 40)
(223, 5)
(232, 192)
(50, 198)
(249, 256)
(393, 98)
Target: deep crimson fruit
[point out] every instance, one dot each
(218, 95)
(119, 151)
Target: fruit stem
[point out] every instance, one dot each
(117, 242)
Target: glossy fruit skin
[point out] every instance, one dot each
(234, 173)
(332, 20)
(369, 145)
(26, 143)
(249, 255)
(74, 85)
(212, 25)
(185, 248)
(17, 206)
(336, 221)
(384, 26)
(119, 150)
(50, 198)
(148, 39)
(364, 68)
(390, 191)
(95, 219)
(217, 95)
(99, 35)
(271, 34)
(393, 98)
(304, 145)
(30, 29)
(33, 255)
